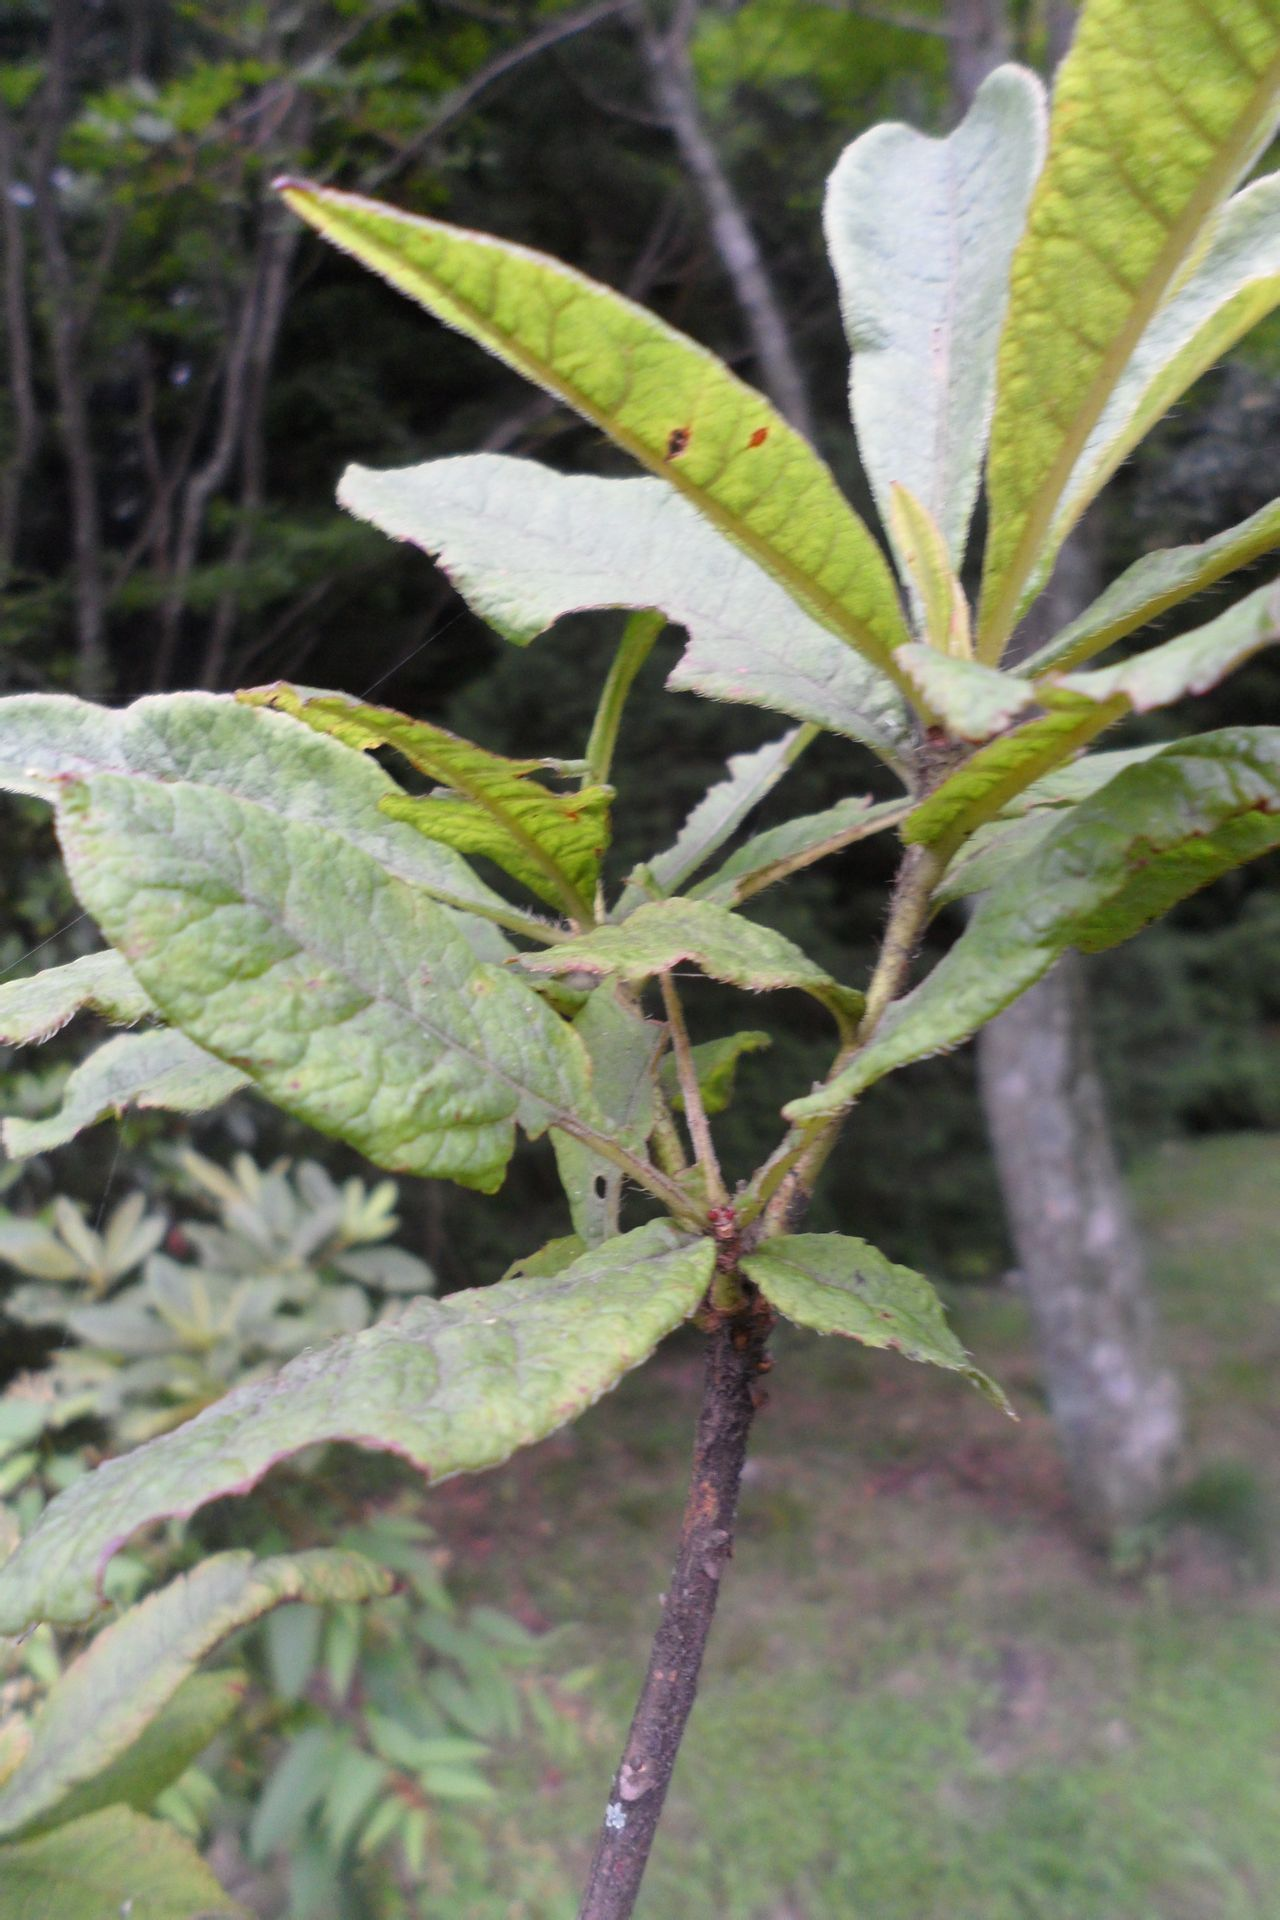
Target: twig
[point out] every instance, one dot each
(787, 1181)
(695, 1113)
(735, 1352)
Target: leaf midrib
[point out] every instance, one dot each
(471, 785)
(996, 626)
(561, 1116)
(807, 592)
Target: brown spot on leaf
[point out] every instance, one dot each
(677, 441)
(759, 437)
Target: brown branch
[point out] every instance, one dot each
(694, 1112)
(735, 1355)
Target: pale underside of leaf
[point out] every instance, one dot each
(921, 233)
(524, 546)
(158, 1068)
(1154, 584)
(1159, 109)
(715, 819)
(1159, 831)
(106, 1698)
(1191, 664)
(783, 850)
(347, 997)
(658, 395)
(971, 701)
(35, 1009)
(834, 1284)
(453, 1386)
(668, 933)
(251, 754)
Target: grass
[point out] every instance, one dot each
(926, 1696)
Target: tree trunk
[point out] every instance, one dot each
(1117, 1408)
(979, 38)
(1116, 1405)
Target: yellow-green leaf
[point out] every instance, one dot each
(664, 399)
(1160, 107)
(1154, 584)
(918, 542)
(667, 933)
(552, 842)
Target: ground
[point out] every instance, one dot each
(927, 1695)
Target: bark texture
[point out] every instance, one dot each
(735, 1352)
(979, 37)
(1116, 1406)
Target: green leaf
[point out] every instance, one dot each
(552, 842)
(15, 1744)
(154, 1069)
(991, 853)
(111, 1863)
(1232, 288)
(451, 1385)
(994, 849)
(717, 816)
(716, 1064)
(1082, 705)
(798, 843)
(295, 1787)
(1156, 833)
(108, 1696)
(35, 1009)
(162, 1752)
(246, 752)
(549, 1260)
(524, 545)
(921, 233)
(658, 937)
(833, 1284)
(1152, 585)
(1109, 238)
(1192, 663)
(971, 701)
(942, 612)
(623, 1048)
(347, 997)
(658, 395)
(990, 779)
